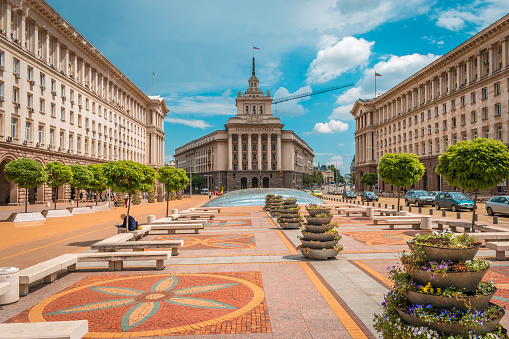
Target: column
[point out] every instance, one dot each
(239, 151)
(66, 61)
(230, 152)
(449, 80)
(479, 66)
(491, 61)
(469, 71)
(7, 20)
(46, 47)
(56, 62)
(432, 96)
(504, 52)
(82, 75)
(259, 152)
(269, 152)
(75, 66)
(440, 85)
(278, 150)
(36, 40)
(22, 29)
(458, 76)
(426, 94)
(249, 152)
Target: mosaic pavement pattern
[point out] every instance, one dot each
(208, 242)
(228, 223)
(160, 304)
(381, 238)
(235, 214)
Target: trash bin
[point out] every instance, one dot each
(48, 204)
(151, 219)
(10, 275)
(174, 211)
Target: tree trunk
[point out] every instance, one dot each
(56, 197)
(167, 202)
(96, 197)
(474, 209)
(399, 192)
(128, 204)
(26, 201)
(77, 198)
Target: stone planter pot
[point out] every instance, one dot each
(319, 244)
(290, 225)
(290, 201)
(280, 219)
(318, 221)
(318, 254)
(289, 210)
(318, 228)
(446, 253)
(450, 329)
(314, 211)
(463, 281)
(319, 237)
(461, 302)
(288, 215)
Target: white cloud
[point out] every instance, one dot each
(292, 107)
(434, 41)
(333, 126)
(334, 60)
(394, 70)
(202, 104)
(188, 122)
(320, 154)
(478, 13)
(341, 145)
(336, 160)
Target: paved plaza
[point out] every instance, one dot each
(241, 277)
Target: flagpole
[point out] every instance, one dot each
(152, 82)
(375, 84)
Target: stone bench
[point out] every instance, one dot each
(377, 219)
(46, 270)
(415, 223)
(351, 211)
(492, 236)
(54, 329)
(181, 227)
(454, 225)
(205, 209)
(194, 215)
(385, 211)
(500, 247)
(121, 237)
(179, 222)
(136, 234)
(139, 246)
(116, 259)
(491, 228)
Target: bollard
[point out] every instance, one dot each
(495, 220)
(48, 204)
(430, 211)
(72, 202)
(409, 208)
(420, 209)
(150, 219)
(458, 215)
(369, 212)
(444, 214)
(426, 222)
(174, 211)
(476, 217)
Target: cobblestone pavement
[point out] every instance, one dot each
(241, 277)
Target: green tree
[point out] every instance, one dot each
(369, 179)
(336, 172)
(474, 165)
(98, 182)
(307, 179)
(128, 176)
(81, 178)
(317, 177)
(198, 180)
(58, 175)
(174, 180)
(400, 170)
(26, 173)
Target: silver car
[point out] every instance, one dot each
(498, 205)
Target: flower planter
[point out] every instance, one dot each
(290, 225)
(318, 228)
(446, 253)
(463, 281)
(318, 221)
(450, 329)
(289, 210)
(461, 302)
(290, 201)
(289, 215)
(319, 236)
(323, 254)
(319, 244)
(280, 219)
(313, 211)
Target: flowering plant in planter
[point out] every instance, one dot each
(316, 206)
(323, 215)
(446, 239)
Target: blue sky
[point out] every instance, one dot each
(201, 52)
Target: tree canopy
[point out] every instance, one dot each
(81, 178)
(475, 165)
(369, 179)
(400, 169)
(98, 180)
(173, 179)
(26, 173)
(58, 175)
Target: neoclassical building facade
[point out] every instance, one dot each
(463, 95)
(62, 100)
(252, 151)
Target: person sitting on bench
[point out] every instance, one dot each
(130, 224)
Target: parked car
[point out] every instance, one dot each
(454, 201)
(205, 191)
(419, 198)
(308, 191)
(336, 192)
(349, 195)
(498, 205)
(369, 196)
(317, 193)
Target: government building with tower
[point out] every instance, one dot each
(62, 100)
(463, 95)
(252, 151)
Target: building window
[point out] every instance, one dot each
(497, 88)
(444, 124)
(29, 100)
(474, 116)
(464, 135)
(254, 109)
(437, 127)
(446, 142)
(28, 131)
(499, 132)
(61, 140)
(234, 137)
(15, 66)
(255, 168)
(453, 122)
(71, 95)
(498, 109)
(71, 117)
(30, 73)
(40, 134)
(463, 120)
(422, 116)
(264, 147)
(41, 105)
(51, 137)
(462, 101)
(244, 167)
(93, 107)
(79, 99)
(273, 147)
(70, 142)
(475, 134)
(53, 86)
(78, 145)
(472, 98)
(273, 167)
(429, 116)
(14, 127)
(86, 103)
(41, 80)
(234, 167)
(15, 95)
(244, 156)
(62, 114)
(254, 147)
(234, 147)
(484, 92)
(453, 105)
(264, 156)
(254, 156)
(436, 112)
(444, 108)
(247, 109)
(485, 113)
(261, 109)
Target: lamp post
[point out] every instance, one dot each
(351, 156)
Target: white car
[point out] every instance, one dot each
(205, 191)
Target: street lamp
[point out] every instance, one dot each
(351, 156)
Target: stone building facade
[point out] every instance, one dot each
(252, 151)
(463, 95)
(62, 100)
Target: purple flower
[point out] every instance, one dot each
(432, 276)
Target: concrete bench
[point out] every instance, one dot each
(179, 222)
(121, 237)
(194, 215)
(206, 209)
(385, 212)
(500, 247)
(351, 211)
(492, 236)
(377, 219)
(54, 329)
(139, 246)
(136, 234)
(415, 223)
(46, 270)
(491, 228)
(454, 225)
(181, 227)
(116, 259)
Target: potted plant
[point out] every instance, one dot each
(319, 219)
(314, 209)
(446, 245)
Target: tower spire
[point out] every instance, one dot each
(254, 66)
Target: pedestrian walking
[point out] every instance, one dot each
(126, 199)
(210, 195)
(115, 201)
(7, 199)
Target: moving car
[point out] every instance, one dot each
(205, 191)
(454, 201)
(349, 195)
(369, 196)
(317, 193)
(419, 198)
(336, 192)
(308, 191)
(498, 205)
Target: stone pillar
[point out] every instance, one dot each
(278, 150)
(22, 29)
(469, 71)
(249, 152)
(479, 66)
(432, 96)
(56, 62)
(259, 152)
(7, 20)
(425, 88)
(230, 153)
(440, 85)
(491, 59)
(449, 80)
(36, 40)
(504, 52)
(239, 151)
(458, 76)
(269, 152)
(66, 61)
(426, 222)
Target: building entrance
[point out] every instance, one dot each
(254, 183)
(243, 183)
(265, 182)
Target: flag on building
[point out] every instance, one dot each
(155, 76)
(255, 47)
(378, 75)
